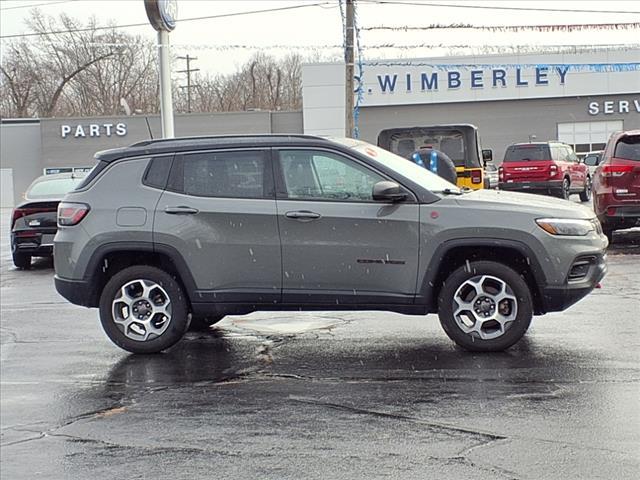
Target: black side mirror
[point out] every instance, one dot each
(388, 192)
(487, 155)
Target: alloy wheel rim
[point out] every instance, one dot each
(141, 309)
(484, 307)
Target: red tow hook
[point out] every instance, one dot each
(598, 285)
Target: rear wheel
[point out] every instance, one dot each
(22, 260)
(143, 309)
(485, 306)
(585, 195)
(565, 190)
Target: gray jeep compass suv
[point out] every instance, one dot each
(165, 234)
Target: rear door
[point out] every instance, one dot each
(219, 213)
(338, 244)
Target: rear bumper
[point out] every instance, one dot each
(527, 186)
(37, 244)
(77, 292)
(557, 299)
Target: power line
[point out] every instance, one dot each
(37, 5)
(487, 7)
(512, 28)
(208, 17)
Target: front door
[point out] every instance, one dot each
(338, 244)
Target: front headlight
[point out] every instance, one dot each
(565, 226)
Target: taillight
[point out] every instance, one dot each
(71, 213)
(616, 170)
(18, 213)
(501, 174)
(476, 176)
(553, 170)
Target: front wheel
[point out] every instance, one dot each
(143, 310)
(485, 306)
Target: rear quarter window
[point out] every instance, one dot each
(526, 153)
(628, 148)
(95, 171)
(157, 173)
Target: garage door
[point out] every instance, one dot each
(6, 187)
(587, 136)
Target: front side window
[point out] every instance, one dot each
(318, 175)
(221, 174)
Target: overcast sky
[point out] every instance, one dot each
(316, 27)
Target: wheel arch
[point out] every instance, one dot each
(109, 259)
(455, 253)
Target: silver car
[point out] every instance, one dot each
(170, 233)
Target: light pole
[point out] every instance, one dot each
(162, 16)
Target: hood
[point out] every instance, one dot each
(525, 202)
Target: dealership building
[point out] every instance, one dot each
(579, 98)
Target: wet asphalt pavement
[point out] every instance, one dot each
(321, 395)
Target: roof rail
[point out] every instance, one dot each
(145, 143)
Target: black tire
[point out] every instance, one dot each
(608, 231)
(200, 323)
(565, 190)
(585, 195)
(514, 329)
(179, 320)
(22, 260)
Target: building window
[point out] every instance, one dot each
(587, 137)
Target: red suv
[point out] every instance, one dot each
(616, 183)
(546, 167)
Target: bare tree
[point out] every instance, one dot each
(73, 69)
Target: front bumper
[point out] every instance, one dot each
(559, 298)
(553, 185)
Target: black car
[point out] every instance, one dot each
(34, 221)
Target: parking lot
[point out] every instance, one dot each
(321, 395)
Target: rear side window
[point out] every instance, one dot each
(157, 173)
(241, 174)
(525, 153)
(628, 148)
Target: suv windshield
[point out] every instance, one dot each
(628, 148)
(525, 153)
(404, 167)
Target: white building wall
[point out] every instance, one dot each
(480, 78)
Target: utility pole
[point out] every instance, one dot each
(349, 59)
(166, 102)
(188, 71)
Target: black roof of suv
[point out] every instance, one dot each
(169, 145)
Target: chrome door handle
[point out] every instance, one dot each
(181, 210)
(303, 215)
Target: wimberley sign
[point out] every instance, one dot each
(464, 79)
